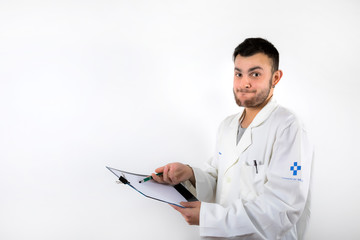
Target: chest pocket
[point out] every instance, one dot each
(252, 179)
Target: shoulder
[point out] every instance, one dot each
(231, 120)
(286, 118)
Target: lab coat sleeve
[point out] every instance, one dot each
(206, 178)
(206, 182)
(279, 206)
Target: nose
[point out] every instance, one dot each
(242, 83)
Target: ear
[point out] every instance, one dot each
(276, 77)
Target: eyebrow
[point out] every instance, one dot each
(255, 68)
(250, 70)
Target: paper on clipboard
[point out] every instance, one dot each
(151, 189)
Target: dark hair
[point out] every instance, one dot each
(252, 46)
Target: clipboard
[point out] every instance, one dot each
(153, 190)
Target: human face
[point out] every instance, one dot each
(254, 80)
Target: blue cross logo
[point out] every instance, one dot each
(295, 168)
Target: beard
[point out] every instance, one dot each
(259, 98)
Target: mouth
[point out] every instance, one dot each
(243, 92)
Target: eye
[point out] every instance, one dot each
(255, 74)
(238, 74)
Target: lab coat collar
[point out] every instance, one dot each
(264, 113)
(246, 139)
(260, 117)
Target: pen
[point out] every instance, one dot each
(150, 177)
(255, 164)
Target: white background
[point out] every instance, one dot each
(136, 84)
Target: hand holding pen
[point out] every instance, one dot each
(150, 177)
(174, 173)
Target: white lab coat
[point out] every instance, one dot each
(274, 203)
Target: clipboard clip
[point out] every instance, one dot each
(122, 179)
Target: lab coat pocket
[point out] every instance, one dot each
(251, 179)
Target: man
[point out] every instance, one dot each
(257, 184)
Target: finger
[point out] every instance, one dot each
(177, 208)
(166, 174)
(159, 170)
(157, 178)
(170, 175)
(190, 204)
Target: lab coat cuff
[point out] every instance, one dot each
(205, 229)
(209, 224)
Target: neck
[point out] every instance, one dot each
(250, 113)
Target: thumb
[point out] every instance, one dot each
(190, 204)
(160, 169)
